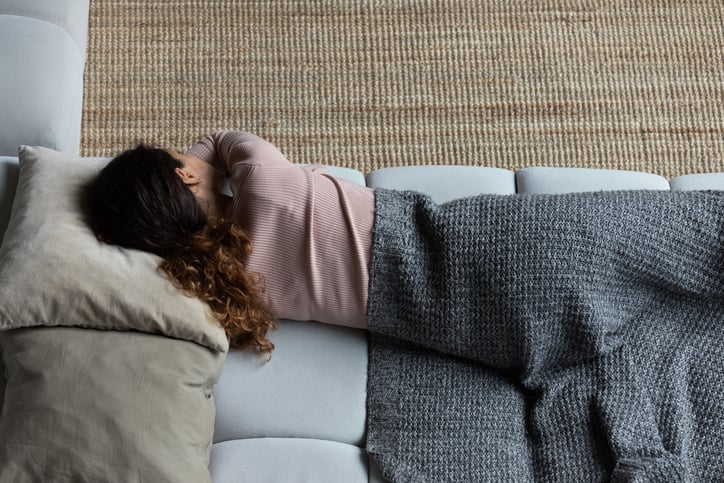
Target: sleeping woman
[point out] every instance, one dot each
(291, 242)
(524, 282)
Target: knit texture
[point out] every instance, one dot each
(573, 337)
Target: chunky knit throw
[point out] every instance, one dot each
(557, 338)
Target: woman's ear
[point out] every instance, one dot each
(188, 176)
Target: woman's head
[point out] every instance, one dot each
(139, 201)
(143, 200)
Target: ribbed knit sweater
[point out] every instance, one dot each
(311, 232)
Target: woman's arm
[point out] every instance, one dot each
(227, 148)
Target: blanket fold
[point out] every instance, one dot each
(597, 317)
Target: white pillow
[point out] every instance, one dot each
(53, 271)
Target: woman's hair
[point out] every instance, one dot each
(138, 201)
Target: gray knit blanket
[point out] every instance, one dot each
(553, 338)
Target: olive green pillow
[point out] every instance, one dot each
(85, 405)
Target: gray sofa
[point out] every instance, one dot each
(300, 417)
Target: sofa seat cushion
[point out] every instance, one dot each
(314, 386)
(279, 460)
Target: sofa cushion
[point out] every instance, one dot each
(293, 460)
(41, 86)
(70, 15)
(542, 180)
(314, 386)
(703, 181)
(286, 397)
(444, 183)
(349, 174)
(53, 271)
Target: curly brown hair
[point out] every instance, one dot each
(209, 267)
(138, 201)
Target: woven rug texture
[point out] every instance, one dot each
(618, 84)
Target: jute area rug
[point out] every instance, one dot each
(620, 84)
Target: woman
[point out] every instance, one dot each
(310, 232)
(543, 273)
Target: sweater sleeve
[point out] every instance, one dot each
(227, 148)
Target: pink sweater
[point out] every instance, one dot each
(311, 232)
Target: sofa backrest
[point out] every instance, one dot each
(69, 15)
(42, 57)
